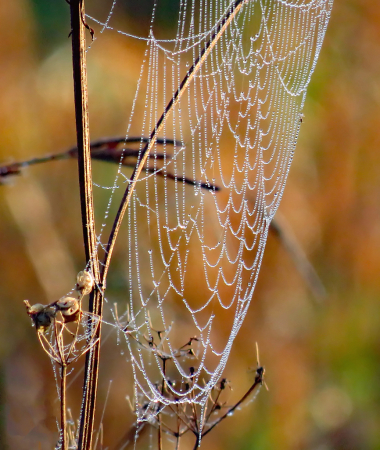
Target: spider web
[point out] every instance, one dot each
(198, 219)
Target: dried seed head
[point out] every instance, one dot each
(41, 315)
(69, 308)
(85, 282)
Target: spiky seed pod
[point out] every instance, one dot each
(69, 308)
(85, 282)
(41, 315)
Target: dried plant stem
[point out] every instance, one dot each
(220, 28)
(258, 382)
(63, 407)
(177, 442)
(102, 149)
(159, 433)
(82, 128)
(77, 14)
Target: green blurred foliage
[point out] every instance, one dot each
(321, 359)
(51, 19)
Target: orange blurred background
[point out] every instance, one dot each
(321, 357)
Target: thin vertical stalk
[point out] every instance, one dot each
(77, 13)
(159, 433)
(63, 406)
(82, 128)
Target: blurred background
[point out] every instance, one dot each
(321, 354)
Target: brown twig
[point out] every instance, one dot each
(259, 380)
(83, 133)
(107, 150)
(178, 432)
(63, 406)
(104, 149)
(216, 401)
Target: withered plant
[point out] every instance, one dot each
(70, 328)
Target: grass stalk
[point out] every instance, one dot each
(77, 14)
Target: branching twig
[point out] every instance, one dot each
(259, 379)
(107, 150)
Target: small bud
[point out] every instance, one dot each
(85, 282)
(69, 308)
(223, 383)
(41, 315)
